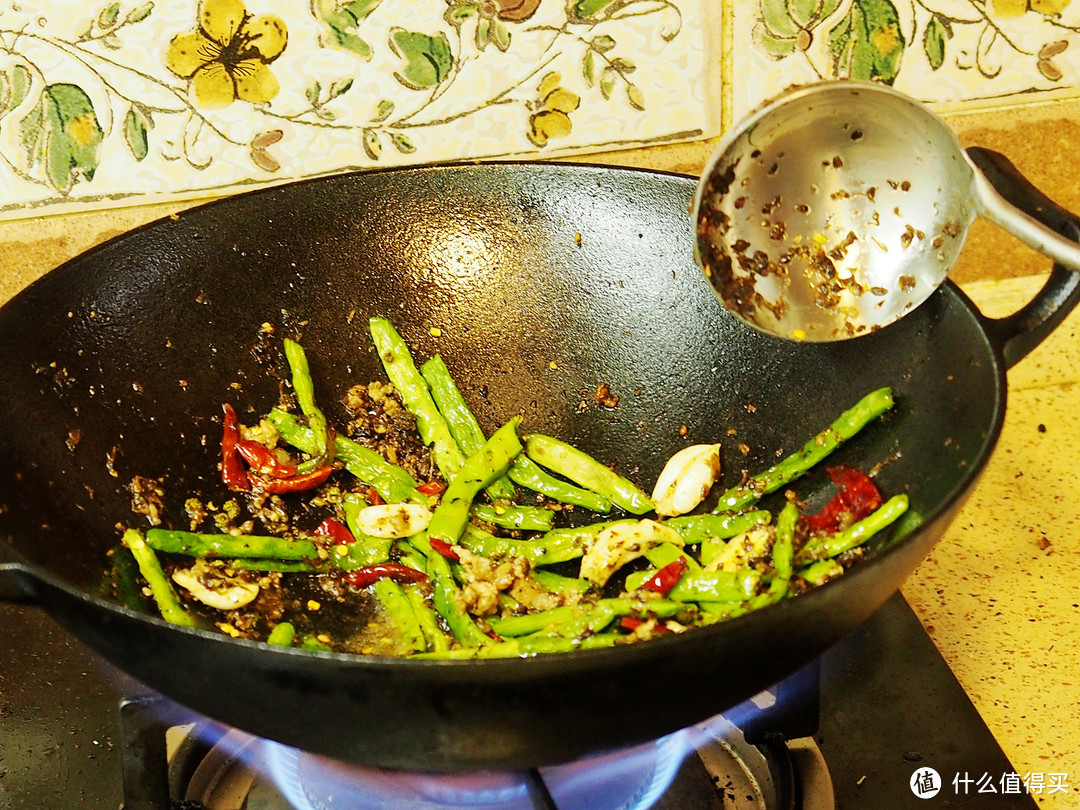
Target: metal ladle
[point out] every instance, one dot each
(838, 207)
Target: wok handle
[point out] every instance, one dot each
(17, 582)
(1019, 333)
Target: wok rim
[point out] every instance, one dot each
(697, 636)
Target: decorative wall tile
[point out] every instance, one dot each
(954, 54)
(133, 101)
(116, 103)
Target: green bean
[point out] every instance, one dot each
(304, 388)
(399, 611)
(717, 586)
(393, 483)
(699, 528)
(282, 635)
(586, 471)
(542, 621)
(570, 619)
(784, 546)
(451, 605)
(410, 384)
(666, 553)
(524, 518)
(481, 541)
(530, 475)
(783, 552)
(161, 589)
(587, 624)
(268, 565)
(557, 583)
(563, 545)
(434, 636)
(788, 469)
(529, 646)
(309, 642)
(820, 572)
(463, 424)
(481, 468)
(556, 548)
(197, 544)
(830, 545)
(122, 580)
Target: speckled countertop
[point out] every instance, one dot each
(1000, 594)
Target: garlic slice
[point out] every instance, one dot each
(391, 521)
(210, 585)
(686, 479)
(621, 543)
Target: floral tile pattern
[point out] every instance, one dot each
(954, 54)
(141, 100)
(115, 102)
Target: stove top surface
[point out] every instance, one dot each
(892, 724)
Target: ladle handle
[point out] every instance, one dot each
(1010, 201)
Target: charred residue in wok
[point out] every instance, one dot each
(713, 225)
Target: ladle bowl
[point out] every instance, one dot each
(836, 208)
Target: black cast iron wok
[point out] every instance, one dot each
(132, 348)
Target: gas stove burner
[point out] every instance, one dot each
(888, 706)
(706, 766)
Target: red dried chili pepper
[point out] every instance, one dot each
(263, 461)
(362, 577)
(374, 498)
(336, 531)
(856, 498)
(233, 474)
(444, 548)
(297, 483)
(431, 488)
(632, 623)
(667, 577)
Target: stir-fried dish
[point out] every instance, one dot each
(407, 531)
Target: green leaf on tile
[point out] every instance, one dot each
(587, 9)
(934, 36)
(588, 68)
(869, 42)
(14, 88)
(500, 36)
(136, 132)
(777, 18)
(140, 13)
(372, 144)
(383, 110)
(428, 59)
(62, 135)
(109, 15)
(776, 47)
(607, 82)
(402, 143)
(339, 88)
(344, 20)
(804, 12)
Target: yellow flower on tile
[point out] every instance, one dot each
(1009, 9)
(227, 56)
(552, 116)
